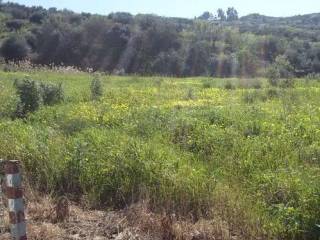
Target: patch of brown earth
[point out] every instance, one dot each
(134, 223)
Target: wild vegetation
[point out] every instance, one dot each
(240, 150)
(93, 107)
(221, 45)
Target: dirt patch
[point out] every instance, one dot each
(134, 223)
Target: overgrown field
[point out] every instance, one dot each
(233, 149)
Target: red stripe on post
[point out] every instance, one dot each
(11, 167)
(16, 217)
(14, 193)
(15, 200)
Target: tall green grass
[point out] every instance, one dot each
(249, 154)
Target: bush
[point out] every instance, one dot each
(14, 25)
(206, 84)
(52, 94)
(32, 94)
(280, 73)
(37, 18)
(96, 89)
(273, 75)
(29, 93)
(257, 84)
(272, 93)
(14, 49)
(190, 95)
(229, 86)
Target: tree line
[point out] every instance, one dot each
(221, 45)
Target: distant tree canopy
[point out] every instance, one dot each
(14, 49)
(220, 44)
(206, 16)
(221, 15)
(232, 14)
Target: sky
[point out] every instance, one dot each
(182, 8)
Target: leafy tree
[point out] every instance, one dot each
(280, 73)
(14, 49)
(148, 44)
(121, 17)
(37, 17)
(168, 63)
(248, 63)
(197, 60)
(116, 40)
(273, 75)
(284, 66)
(206, 16)
(232, 14)
(221, 15)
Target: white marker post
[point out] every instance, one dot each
(14, 193)
(2, 206)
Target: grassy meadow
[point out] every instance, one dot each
(234, 149)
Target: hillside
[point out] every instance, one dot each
(122, 43)
(308, 21)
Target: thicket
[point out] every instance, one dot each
(32, 94)
(121, 43)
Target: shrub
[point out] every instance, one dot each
(190, 95)
(229, 86)
(272, 93)
(273, 75)
(14, 49)
(257, 84)
(52, 94)
(37, 18)
(280, 73)
(32, 94)
(29, 93)
(206, 84)
(96, 89)
(14, 25)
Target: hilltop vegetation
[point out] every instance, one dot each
(220, 46)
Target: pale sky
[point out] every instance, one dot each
(182, 8)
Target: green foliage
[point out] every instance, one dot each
(250, 154)
(32, 94)
(14, 49)
(14, 25)
(37, 17)
(206, 84)
(232, 14)
(29, 93)
(120, 43)
(52, 94)
(96, 89)
(280, 73)
(221, 15)
(273, 75)
(229, 86)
